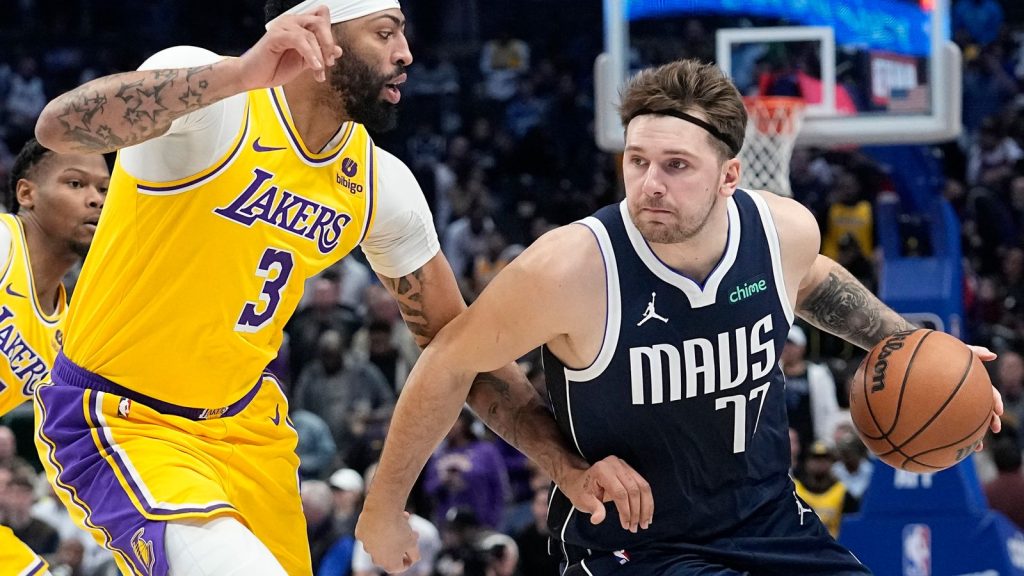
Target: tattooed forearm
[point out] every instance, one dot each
(508, 404)
(408, 291)
(125, 109)
(843, 306)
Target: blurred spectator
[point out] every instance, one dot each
(810, 391)
(466, 238)
(459, 555)
(982, 20)
(822, 491)
(992, 157)
(501, 553)
(393, 357)
(68, 561)
(987, 87)
(346, 393)
(503, 61)
(16, 514)
(25, 100)
(8, 447)
(330, 546)
(849, 213)
(534, 556)
(324, 312)
(1005, 493)
(347, 487)
(853, 469)
(468, 472)
(316, 448)
(525, 110)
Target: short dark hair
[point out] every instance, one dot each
(28, 158)
(684, 87)
(274, 8)
(1006, 454)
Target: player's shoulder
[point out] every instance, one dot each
(180, 57)
(569, 253)
(791, 217)
(392, 167)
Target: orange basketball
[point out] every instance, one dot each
(921, 401)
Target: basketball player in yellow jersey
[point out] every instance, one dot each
(55, 200)
(236, 179)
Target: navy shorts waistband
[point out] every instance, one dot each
(66, 372)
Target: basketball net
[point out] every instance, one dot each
(772, 126)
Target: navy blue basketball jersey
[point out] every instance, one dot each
(687, 386)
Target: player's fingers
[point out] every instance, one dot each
(321, 29)
(411, 556)
(309, 39)
(615, 491)
(594, 506)
(996, 425)
(628, 477)
(646, 501)
(983, 353)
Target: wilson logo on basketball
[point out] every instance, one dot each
(895, 342)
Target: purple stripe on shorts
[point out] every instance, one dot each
(81, 468)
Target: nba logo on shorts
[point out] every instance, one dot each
(917, 550)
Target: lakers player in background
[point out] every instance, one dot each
(55, 201)
(662, 320)
(236, 179)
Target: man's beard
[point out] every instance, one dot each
(80, 248)
(359, 86)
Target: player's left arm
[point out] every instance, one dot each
(829, 297)
(403, 238)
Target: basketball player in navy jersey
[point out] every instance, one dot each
(662, 320)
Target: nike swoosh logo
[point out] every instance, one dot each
(260, 148)
(277, 415)
(13, 293)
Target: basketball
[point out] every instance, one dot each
(921, 401)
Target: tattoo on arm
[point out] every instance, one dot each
(843, 306)
(144, 103)
(408, 291)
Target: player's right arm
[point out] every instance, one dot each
(536, 300)
(122, 110)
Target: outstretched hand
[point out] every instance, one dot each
(986, 355)
(292, 44)
(611, 480)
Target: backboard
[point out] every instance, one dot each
(871, 71)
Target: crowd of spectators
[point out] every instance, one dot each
(497, 126)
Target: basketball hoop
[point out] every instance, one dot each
(772, 127)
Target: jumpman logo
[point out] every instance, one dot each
(650, 313)
(801, 509)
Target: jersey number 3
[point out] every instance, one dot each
(275, 267)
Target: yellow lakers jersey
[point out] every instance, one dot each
(189, 284)
(29, 338)
(828, 505)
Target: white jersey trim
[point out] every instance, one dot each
(774, 247)
(699, 297)
(613, 316)
(402, 237)
(195, 141)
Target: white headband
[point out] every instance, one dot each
(342, 10)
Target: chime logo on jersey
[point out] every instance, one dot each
(286, 210)
(26, 365)
(699, 360)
